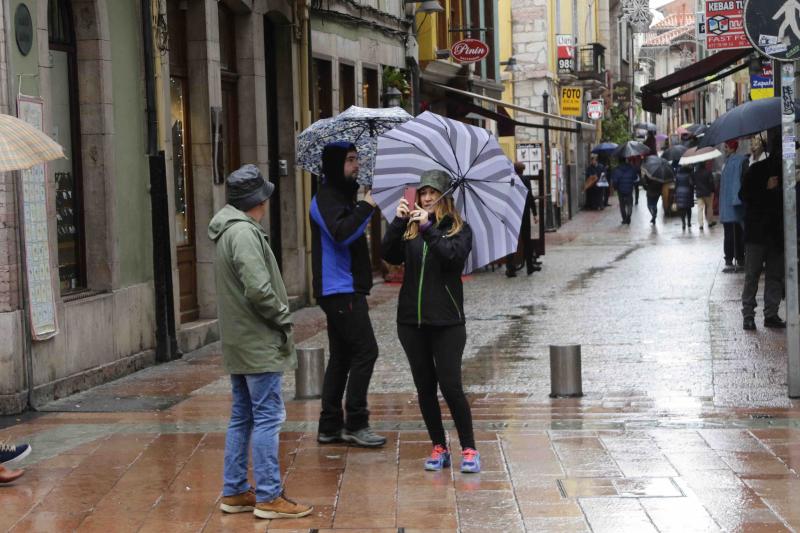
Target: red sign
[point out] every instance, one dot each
(469, 50)
(725, 25)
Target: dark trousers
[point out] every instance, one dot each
(635, 195)
(604, 196)
(734, 242)
(686, 215)
(625, 206)
(769, 259)
(652, 205)
(525, 242)
(353, 353)
(434, 354)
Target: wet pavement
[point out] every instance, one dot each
(684, 426)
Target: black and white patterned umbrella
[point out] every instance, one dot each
(487, 192)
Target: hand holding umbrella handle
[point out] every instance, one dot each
(368, 197)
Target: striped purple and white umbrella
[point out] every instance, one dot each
(487, 192)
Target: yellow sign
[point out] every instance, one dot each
(572, 101)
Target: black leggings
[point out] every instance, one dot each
(434, 354)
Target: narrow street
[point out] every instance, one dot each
(685, 424)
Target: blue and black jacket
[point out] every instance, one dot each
(339, 252)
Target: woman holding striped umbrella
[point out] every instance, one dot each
(433, 242)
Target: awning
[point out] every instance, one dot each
(505, 124)
(652, 93)
(583, 125)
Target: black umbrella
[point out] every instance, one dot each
(649, 126)
(697, 130)
(746, 119)
(674, 153)
(631, 149)
(658, 169)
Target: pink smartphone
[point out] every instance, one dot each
(410, 194)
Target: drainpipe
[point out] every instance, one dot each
(304, 22)
(166, 340)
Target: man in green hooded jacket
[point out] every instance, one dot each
(257, 347)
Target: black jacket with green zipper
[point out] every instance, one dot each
(432, 294)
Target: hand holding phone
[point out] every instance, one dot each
(410, 195)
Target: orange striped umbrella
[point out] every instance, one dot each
(22, 146)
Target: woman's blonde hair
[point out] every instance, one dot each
(444, 207)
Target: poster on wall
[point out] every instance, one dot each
(36, 249)
(531, 155)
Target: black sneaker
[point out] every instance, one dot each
(329, 438)
(511, 273)
(749, 323)
(774, 322)
(728, 267)
(363, 437)
(10, 453)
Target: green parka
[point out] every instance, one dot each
(254, 319)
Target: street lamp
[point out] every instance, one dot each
(511, 65)
(428, 6)
(393, 97)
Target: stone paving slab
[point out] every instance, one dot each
(685, 425)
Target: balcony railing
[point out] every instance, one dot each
(592, 62)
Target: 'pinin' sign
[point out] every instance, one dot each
(469, 50)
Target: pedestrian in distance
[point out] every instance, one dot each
(653, 193)
(433, 242)
(731, 210)
(257, 347)
(10, 454)
(624, 178)
(594, 193)
(684, 195)
(704, 187)
(342, 278)
(528, 213)
(762, 195)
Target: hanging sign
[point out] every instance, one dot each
(469, 50)
(725, 25)
(594, 109)
(762, 82)
(572, 101)
(773, 27)
(565, 46)
(700, 28)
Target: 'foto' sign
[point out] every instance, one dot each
(572, 101)
(469, 50)
(725, 25)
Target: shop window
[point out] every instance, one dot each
(369, 88)
(324, 88)
(66, 131)
(347, 86)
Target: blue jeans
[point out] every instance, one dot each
(258, 410)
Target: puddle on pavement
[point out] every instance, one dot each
(582, 279)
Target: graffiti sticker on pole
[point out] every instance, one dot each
(725, 25)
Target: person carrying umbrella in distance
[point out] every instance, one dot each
(731, 210)
(433, 242)
(342, 280)
(624, 178)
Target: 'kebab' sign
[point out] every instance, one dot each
(725, 25)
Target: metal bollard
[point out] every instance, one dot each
(309, 374)
(565, 371)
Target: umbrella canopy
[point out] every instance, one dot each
(22, 146)
(631, 149)
(746, 119)
(358, 125)
(699, 155)
(674, 153)
(658, 169)
(487, 192)
(649, 126)
(605, 148)
(682, 131)
(697, 130)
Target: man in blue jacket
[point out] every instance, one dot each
(731, 210)
(342, 281)
(624, 178)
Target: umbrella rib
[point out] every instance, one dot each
(420, 150)
(452, 148)
(466, 185)
(477, 156)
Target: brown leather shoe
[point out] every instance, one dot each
(241, 503)
(282, 507)
(7, 476)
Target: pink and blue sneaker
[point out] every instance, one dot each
(440, 458)
(470, 461)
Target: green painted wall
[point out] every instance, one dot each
(24, 64)
(132, 212)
